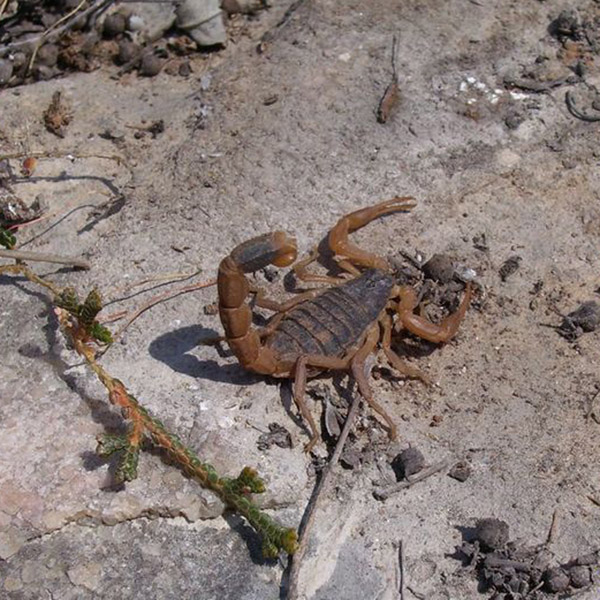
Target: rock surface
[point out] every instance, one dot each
(511, 395)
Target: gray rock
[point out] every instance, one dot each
(150, 19)
(6, 70)
(202, 20)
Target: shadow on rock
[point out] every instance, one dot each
(175, 350)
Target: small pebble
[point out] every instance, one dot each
(492, 533)
(47, 55)
(43, 73)
(19, 60)
(580, 576)
(127, 51)
(587, 316)
(440, 268)
(185, 69)
(556, 580)
(151, 65)
(114, 25)
(408, 462)
(461, 471)
(350, 458)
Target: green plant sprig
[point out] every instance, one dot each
(78, 322)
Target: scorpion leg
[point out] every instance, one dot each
(436, 333)
(303, 274)
(338, 236)
(358, 371)
(282, 307)
(308, 360)
(395, 361)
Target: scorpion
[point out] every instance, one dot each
(326, 329)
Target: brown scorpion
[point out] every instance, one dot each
(332, 329)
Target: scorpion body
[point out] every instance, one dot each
(333, 322)
(331, 329)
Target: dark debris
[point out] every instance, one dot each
(515, 572)
(408, 462)
(511, 265)
(277, 436)
(582, 320)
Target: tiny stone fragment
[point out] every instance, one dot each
(350, 457)
(492, 533)
(461, 471)
(211, 309)
(151, 65)
(408, 462)
(440, 268)
(567, 25)
(480, 242)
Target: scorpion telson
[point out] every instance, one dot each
(325, 329)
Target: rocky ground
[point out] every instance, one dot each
(494, 134)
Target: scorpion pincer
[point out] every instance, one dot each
(335, 328)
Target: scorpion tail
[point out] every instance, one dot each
(276, 248)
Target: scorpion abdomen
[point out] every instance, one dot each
(334, 321)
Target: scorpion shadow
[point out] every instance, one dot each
(175, 350)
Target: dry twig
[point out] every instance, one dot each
(161, 298)
(383, 493)
(43, 257)
(311, 509)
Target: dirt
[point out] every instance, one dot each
(279, 130)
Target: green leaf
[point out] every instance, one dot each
(7, 238)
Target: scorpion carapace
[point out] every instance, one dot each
(332, 329)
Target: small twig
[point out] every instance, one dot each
(593, 499)
(164, 277)
(390, 96)
(553, 528)
(415, 593)
(43, 257)
(385, 492)
(537, 86)
(311, 509)
(116, 316)
(401, 570)
(161, 298)
(284, 19)
(590, 411)
(44, 154)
